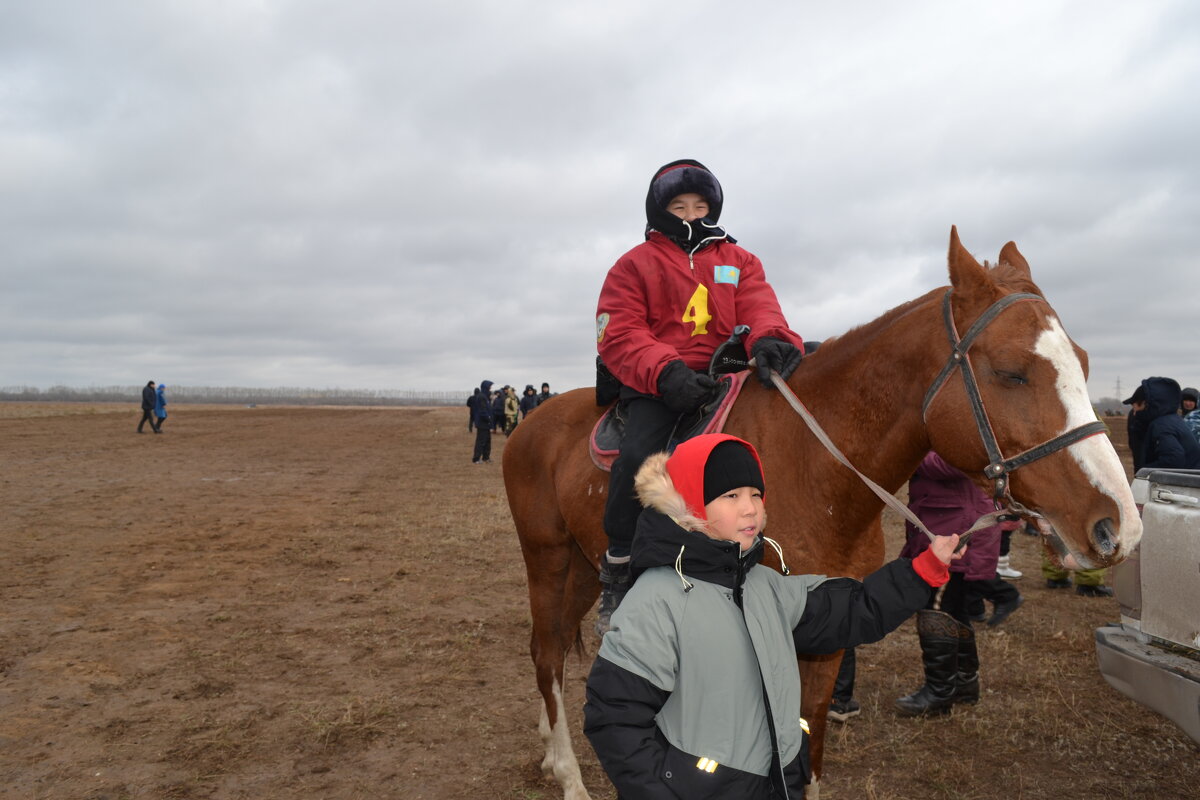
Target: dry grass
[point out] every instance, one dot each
(299, 603)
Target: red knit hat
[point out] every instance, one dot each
(689, 469)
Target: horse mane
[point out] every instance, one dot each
(1008, 278)
(867, 331)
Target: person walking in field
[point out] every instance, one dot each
(149, 398)
(160, 407)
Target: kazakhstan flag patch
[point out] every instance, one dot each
(726, 274)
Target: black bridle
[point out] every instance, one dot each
(998, 466)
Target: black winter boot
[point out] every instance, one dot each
(615, 580)
(966, 687)
(939, 635)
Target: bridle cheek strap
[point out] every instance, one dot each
(998, 466)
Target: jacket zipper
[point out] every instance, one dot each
(776, 756)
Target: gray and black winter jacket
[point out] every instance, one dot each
(695, 692)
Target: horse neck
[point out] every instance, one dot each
(866, 389)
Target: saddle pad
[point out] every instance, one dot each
(605, 441)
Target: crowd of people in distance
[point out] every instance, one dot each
(494, 411)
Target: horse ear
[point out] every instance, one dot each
(968, 277)
(1009, 254)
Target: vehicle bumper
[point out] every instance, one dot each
(1166, 682)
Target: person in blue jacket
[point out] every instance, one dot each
(160, 407)
(1190, 410)
(1168, 442)
(529, 400)
(497, 402)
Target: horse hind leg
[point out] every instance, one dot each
(565, 595)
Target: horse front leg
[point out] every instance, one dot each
(560, 762)
(817, 677)
(559, 599)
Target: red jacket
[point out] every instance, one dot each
(659, 304)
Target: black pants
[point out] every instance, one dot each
(843, 688)
(147, 416)
(483, 443)
(648, 428)
(953, 598)
(995, 589)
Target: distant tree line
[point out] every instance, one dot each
(1110, 407)
(287, 395)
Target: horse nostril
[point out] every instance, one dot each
(1104, 535)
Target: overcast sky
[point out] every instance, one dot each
(403, 195)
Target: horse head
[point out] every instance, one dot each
(1020, 413)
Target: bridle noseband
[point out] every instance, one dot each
(998, 466)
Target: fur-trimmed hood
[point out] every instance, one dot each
(670, 534)
(657, 491)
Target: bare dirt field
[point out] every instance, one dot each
(330, 603)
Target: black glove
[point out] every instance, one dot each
(682, 388)
(775, 354)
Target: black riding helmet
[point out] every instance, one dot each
(670, 181)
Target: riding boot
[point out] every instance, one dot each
(966, 687)
(615, 580)
(939, 636)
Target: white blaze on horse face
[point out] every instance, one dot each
(1095, 454)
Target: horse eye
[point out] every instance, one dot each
(1012, 377)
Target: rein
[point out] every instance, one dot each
(986, 521)
(1007, 508)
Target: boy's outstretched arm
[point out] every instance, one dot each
(841, 612)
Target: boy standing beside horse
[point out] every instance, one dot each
(696, 689)
(664, 309)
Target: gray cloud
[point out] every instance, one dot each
(390, 196)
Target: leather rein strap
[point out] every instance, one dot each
(986, 521)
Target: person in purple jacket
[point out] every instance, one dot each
(948, 502)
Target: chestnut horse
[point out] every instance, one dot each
(873, 390)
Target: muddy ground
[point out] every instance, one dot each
(330, 603)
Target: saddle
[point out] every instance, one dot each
(605, 442)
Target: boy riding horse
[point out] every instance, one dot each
(665, 307)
